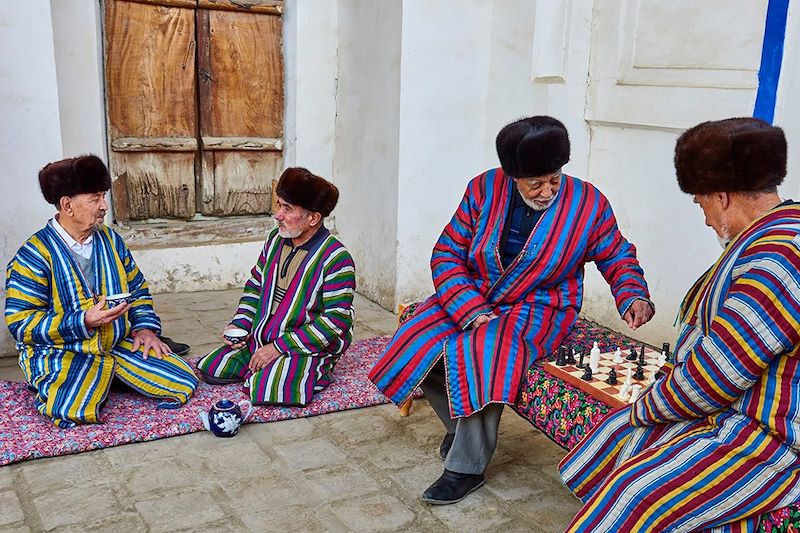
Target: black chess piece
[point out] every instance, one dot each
(639, 374)
(587, 373)
(632, 356)
(641, 355)
(571, 356)
(665, 350)
(612, 377)
(561, 360)
(581, 363)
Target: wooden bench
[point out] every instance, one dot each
(565, 413)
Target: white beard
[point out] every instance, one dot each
(286, 234)
(537, 206)
(723, 238)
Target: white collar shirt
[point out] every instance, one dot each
(82, 249)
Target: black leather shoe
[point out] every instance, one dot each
(452, 487)
(178, 348)
(447, 442)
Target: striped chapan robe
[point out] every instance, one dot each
(311, 327)
(69, 366)
(715, 443)
(537, 298)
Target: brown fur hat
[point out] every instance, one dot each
(298, 186)
(731, 155)
(68, 177)
(533, 146)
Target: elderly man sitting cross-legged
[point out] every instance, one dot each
(714, 443)
(70, 344)
(297, 306)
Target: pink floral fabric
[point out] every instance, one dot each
(128, 417)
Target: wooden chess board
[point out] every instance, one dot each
(597, 386)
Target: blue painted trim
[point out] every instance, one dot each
(771, 58)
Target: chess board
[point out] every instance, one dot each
(597, 386)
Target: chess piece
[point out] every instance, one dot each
(594, 358)
(629, 377)
(636, 390)
(561, 359)
(641, 355)
(632, 356)
(662, 359)
(639, 371)
(571, 356)
(665, 351)
(612, 377)
(626, 389)
(587, 373)
(581, 364)
(618, 360)
(652, 378)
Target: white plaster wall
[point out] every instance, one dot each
(366, 163)
(77, 43)
(310, 59)
(443, 120)
(29, 129)
(787, 109)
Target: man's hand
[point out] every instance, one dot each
(263, 356)
(638, 314)
(98, 315)
(482, 319)
(148, 340)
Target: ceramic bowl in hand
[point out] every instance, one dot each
(235, 335)
(113, 300)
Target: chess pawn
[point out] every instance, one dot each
(665, 350)
(632, 355)
(639, 372)
(561, 359)
(612, 377)
(587, 374)
(618, 360)
(662, 359)
(624, 393)
(594, 358)
(636, 390)
(629, 377)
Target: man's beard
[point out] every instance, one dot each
(287, 234)
(536, 206)
(723, 237)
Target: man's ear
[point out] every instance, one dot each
(65, 204)
(316, 218)
(724, 199)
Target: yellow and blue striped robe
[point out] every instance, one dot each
(714, 443)
(68, 365)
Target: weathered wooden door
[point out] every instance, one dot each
(195, 106)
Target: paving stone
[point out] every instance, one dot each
(6, 477)
(121, 522)
(290, 518)
(157, 477)
(138, 453)
(296, 430)
(310, 454)
(15, 529)
(361, 425)
(76, 505)
(268, 490)
(479, 511)
(342, 481)
(396, 455)
(549, 512)
(52, 474)
(510, 482)
(190, 509)
(416, 479)
(10, 509)
(224, 459)
(375, 513)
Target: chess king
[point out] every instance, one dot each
(508, 273)
(714, 443)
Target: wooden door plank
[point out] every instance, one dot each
(150, 144)
(166, 3)
(157, 185)
(272, 7)
(242, 143)
(244, 181)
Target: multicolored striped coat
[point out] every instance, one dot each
(715, 443)
(311, 326)
(69, 365)
(537, 297)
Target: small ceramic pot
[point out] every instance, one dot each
(225, 417)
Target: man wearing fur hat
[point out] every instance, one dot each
(508, 273)
(71, 345)
(297, 306)
(714, 443)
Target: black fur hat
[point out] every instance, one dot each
(533, 146)
(298, 186)
(68, 177)
(731, 155)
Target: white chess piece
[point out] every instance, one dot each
(652, 378)
(623, 394)
(629, 376)
(594, 358)
(662, 359)
(635, 391)
(618, 360)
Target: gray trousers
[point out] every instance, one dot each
(475, 435)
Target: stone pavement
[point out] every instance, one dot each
(361, 470)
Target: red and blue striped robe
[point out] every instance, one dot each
(537, 298)
(311, 327)
(715, 443)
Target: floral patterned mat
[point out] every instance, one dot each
(128, 417)
(565, 414)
